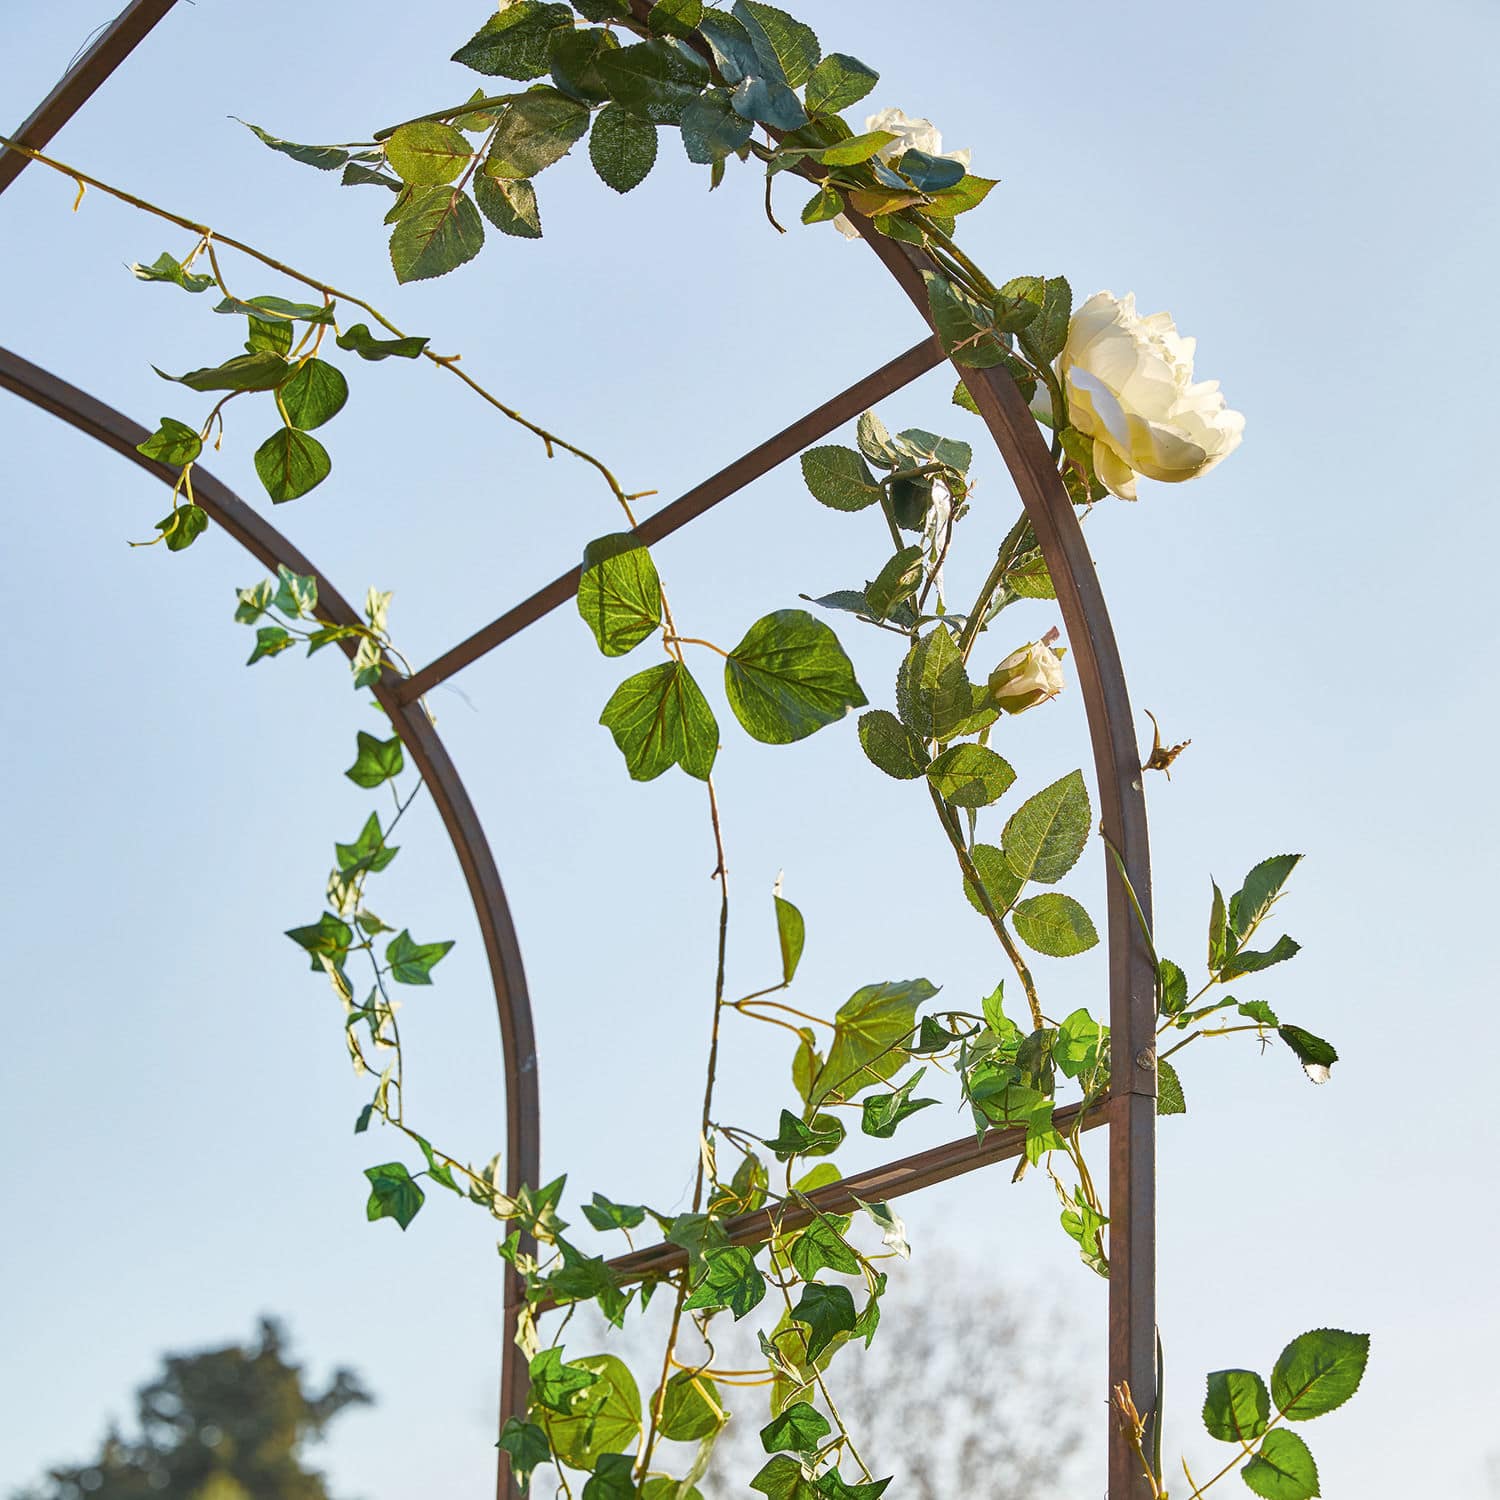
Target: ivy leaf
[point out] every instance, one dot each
(870, 1031)
(789, 677)
(173, 442)
(729, 1280)
(411, 962)
(375, 760)
(440, 232)
(1282, 1469)
(965, 327)
(270, 640)
(824, 1134)
(182, 528)
(1255, 898)
(1170, 1100)
(891, 746)
(257, 371)
(799, 1428)
(316, 392)
(837, 82)
(166, 268)
(606, 1421)
(712, 129)
(791, 933)
(691, 1409)
(622, 147)
(296, 593)
(509, 204)
(1316, 1056)
(555, 1384)
(290, 463)
(1247, 962)
(822, 1244)
(781, 1478)
(604, 1215)
(787, 50)
(1318, 1371)
(1055, 924)
(359, 340)
(619, 592)
(328, 938)
(1082, 1225)
(970, 775)
(659, 718)
(832, 1487)
(1238, 1406)
(526, 1446)
(933, 693)
(427, 152)
(839, 477)
(393, 1194)
(1046, 834)
(826, 1312)
(513, 42)
(368, 852)
(896, 582)
(884, 1112)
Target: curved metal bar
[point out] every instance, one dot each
(1132, 976)
(428, 753)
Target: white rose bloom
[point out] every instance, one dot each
(1026, 678)
(911, 135)
(1129, 383)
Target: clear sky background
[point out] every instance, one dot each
(1308, 189)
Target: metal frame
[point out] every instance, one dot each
(1130, 1111)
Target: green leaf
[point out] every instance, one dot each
(1046, 834)
(555, 1384)
(698, 1234)
(824, 1134)
(258, 371)
(1045, 335)
(368, 852)
(787, 50)
(961, 198)
(1001, 884)
(362, 342)
(896, 582)
(1318, 1372)
(1316, 1056)
(839, 478)
(513, 42)
(870, 1032)
(166, 268)
(800, 1428)
(315, 393)
(356, 175)
(675, 17)
(837, 82)
(1054, 924)
(712, 129)
(329, 938)
(822, 1244)
(891, 746)
(1283, 1469)
(1030, 579)
(1255, 898)
(857, 149)
(825, 1311)
(832, 1487)
(375, 760)
(659, 718)
(604, 1215)
(965, 327)
(509, 204)
(826, 203)
(290, 463)
(1247, 962)
(1257, 1010)
(619, 592)
(604, 1421)
(324, 158)
(393, 1194)
(270, 640)
(961, 397)
(1082, 1225)
(1170, 1099)
(525, 1444)
(729, 1280)
(1218, 930)
(622, 147)
(425, 152)
(691, 1408)
(1238, 1406)
(781, 1478)
(173, 442)
(933, 694)
(183, 527)
(533, 130)
(931, 174)
(658, 79)
(1173, 987)
(440, 232)
(574, 56)
(882, 1113)
(411, 962)
(970, 775)
(1079, 1040)
(791, 933)
(789, 677)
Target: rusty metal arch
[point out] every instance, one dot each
(1130, 1112)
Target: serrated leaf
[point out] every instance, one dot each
(1318, 1371)
(896, 582)
(290, 463)
(1054, 924)
(393, 1194)
(1173, 990)
(513, 42)
(622, 147)
(440, 231)
(891, 746)
(509, 204)
(619, 592)
(659, 718)
(1170, 1099)
(789, 677)
(970, 775)
(1001, 883)
(933, 694)
(1047, 833)
(316, 392)
(533, 130)
(965, 326)
(1282, 1469)
(837, 82)
(1316, 1056)
(574, 56)
(1257, 1010)
(427, 152)
(1030, 579)
(712, 129)
(1238, 1406)
(1248, 962)
(1045, 335)
(658, 79)
(787, 50)
(375, 760)
(839, 478)
(1255, 898)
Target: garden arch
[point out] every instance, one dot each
(1130, 1112)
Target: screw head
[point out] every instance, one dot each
(1145, 1059)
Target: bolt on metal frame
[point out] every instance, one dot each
(1130, 1111)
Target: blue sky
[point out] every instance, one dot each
(1307, 189)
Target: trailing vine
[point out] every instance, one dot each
(618, 73)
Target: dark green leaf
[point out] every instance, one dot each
(356, 175)
(791, 933)
(675, 17)
(329, 937)
(789, 677)
(931, 174)
(183, 527)
(1054, 924)
(891, 746)
(712, 130)
(315, 393)
(839, 478)
(825, 1311)
(832, 1487)
(882, 1113)
(970, 775)
(375, 760)
(691, 1408)
(730, 1280)
(270, 640)
(368, 852)
(604, 1215)
(259, 371)
(1283, 1469)
(362, 342)
(896, 582)
(534, 130)
(290, 463)
(526, 1446)
(1046, 834)
(870, 1032)
(659, 718)
(1045, 335)
(324, 158)
(1001, 883)
(822, 1244)
(1218, 930)
(787, 50)
(426, 152)
(781, 1478)
(837, 82)
(933, 693)
(1238, 1406)
(393, 1194)
(1247, 962)
(411, 962)
(770, 103)
(796, 1137)
(734, 52)
(1255, 898)
(513, 42)
(166, 268)
(575, 54)
(509, 204)
(173, 442)
(1173, 988)
(622, 147)
(441, 231)
(658, 79)
(1316, 1056)
(1257, 1010)
(1318, 1371)
(1170, 1099)
(800, 1428)
(555, 1384)
(619, 592)
(966, 327)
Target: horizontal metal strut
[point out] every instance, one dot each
(108, 50)
(819, 422)
(908, 1175)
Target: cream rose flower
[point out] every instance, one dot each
(1026, 678)
(1130, 387)
(911, 135)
